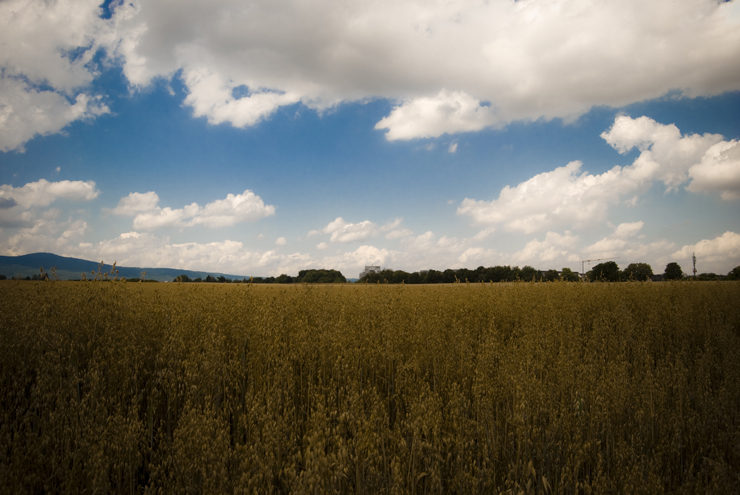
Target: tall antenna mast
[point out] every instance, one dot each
(693, 258)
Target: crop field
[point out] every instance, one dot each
(532, 388)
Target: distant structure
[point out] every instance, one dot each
(693, 258)
(370, 269)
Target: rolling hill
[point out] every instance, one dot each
(73, 268)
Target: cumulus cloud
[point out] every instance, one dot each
(616, 243)
(439, 60)
(716, 255)
(556, 247)
(342, 231)
(665, 154)
(281, 241)
(136, 203)
(21, 206)
(26, 112)
(46, 234)
(718, 171)
(398, 233)
(43, 192)
(235, 208)
(568, 196)
(442, 62)
(446, 113)
(45, 66)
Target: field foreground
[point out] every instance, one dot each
(526, 388)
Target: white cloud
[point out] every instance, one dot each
(616, 243)
(136, 203)
(235, 208)
(395, 234)
(665, 154)
(453, 147)
(437, 59)
(245, 207)
(556, 247)
(719, 171)
(342, 231)
(212, 97)
(567, 196)
(43, 192)
(281, 241)
(45, 64)
(20, 206)
(717, 255)
(392, 225)
(322, 246)
(47, 234)
(625, 246)
(628, 229)
(447, 112)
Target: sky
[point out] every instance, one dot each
(270, 136)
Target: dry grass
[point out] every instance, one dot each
(519, 388)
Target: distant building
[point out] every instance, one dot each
(370, 269)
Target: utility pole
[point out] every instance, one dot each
(583, 262)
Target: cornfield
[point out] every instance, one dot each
(466, 388)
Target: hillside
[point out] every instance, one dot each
(73, 268)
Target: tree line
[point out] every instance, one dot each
(313, 276)
(603, 272)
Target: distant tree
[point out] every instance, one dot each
(673, 271)
(707, 276)
(284, 279)
(734, 274)
(551, 275)
(568, 275)
(3, 277)
(638, 271)
(498, 274)
(514, 274)
(529, 274)
(198, 280)
(210, 279)
(321, 276)
(605, 272)
(182, 278)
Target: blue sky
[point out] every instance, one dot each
(261, 138)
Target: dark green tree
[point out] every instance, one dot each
(673, 271)
(210, 278)
(734, 274)
(284, 279)
(551, 275)
(529, 274)
(638, 271)
(605, 272)
(568, 275)
(182, 278)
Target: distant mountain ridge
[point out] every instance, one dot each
(73, 268)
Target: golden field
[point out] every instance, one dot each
(481, 388)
